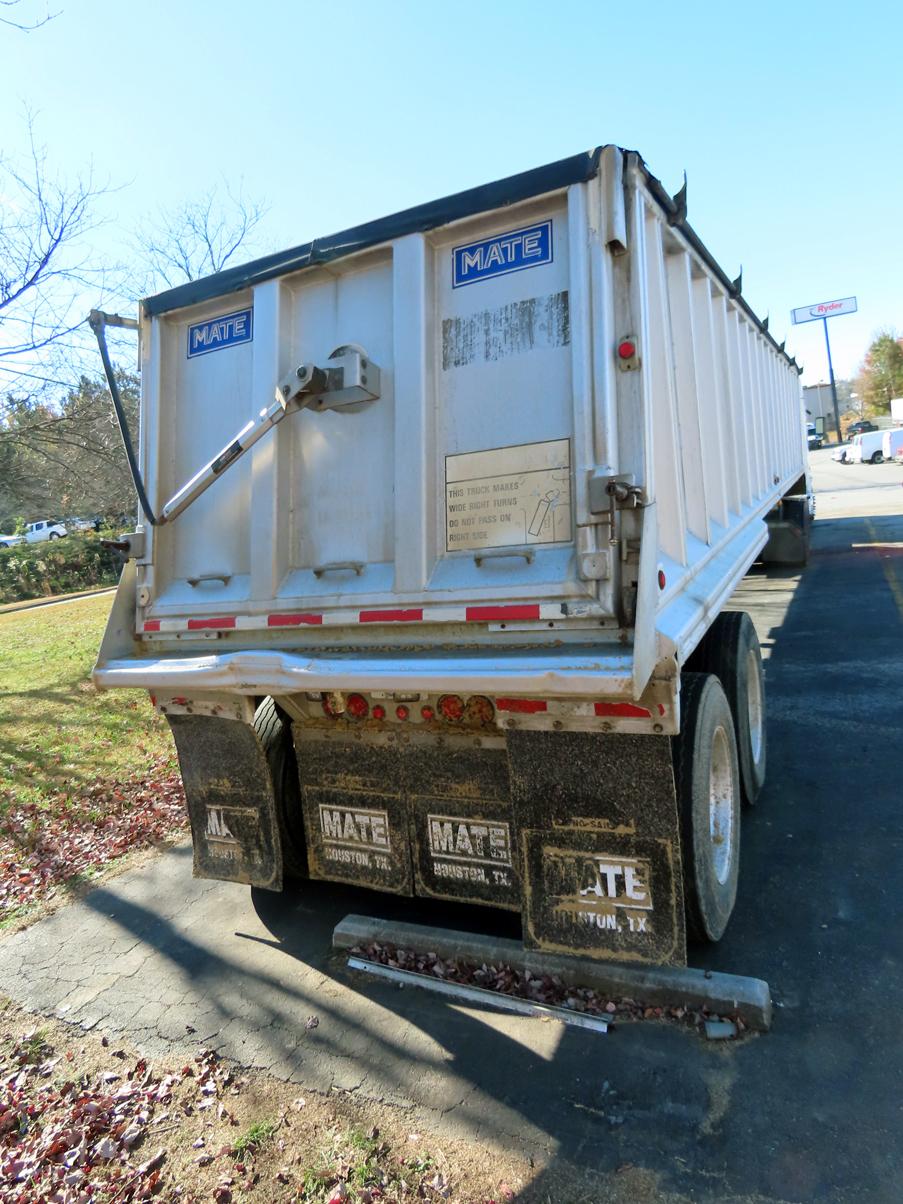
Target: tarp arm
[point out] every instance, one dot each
(98, 322)
(348, 382)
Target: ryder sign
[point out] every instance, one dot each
(823, 309)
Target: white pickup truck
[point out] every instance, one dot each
(36, 532)
(441, 516)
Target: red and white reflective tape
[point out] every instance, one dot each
(487, 613)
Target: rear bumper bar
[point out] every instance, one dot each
(561, 673)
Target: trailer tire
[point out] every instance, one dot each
(708, 793)
(275, 735)
(730, 649)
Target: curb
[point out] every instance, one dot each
(31, 603)
(748, 998)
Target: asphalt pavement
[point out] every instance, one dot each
(809, 1112)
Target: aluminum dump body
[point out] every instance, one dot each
(578, 431)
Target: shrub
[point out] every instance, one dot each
(60, 566)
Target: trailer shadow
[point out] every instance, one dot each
(808, 1112)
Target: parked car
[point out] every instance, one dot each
(892, 444)
(83, 524)
(860, 428)
(866, 449)
(36, 532)
(813, 438)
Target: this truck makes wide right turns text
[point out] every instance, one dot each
(440, 518)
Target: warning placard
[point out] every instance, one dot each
(509, 496)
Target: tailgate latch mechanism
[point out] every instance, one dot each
(348, 382)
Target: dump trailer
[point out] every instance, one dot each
(440, 516)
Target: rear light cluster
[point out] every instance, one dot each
(476, 711)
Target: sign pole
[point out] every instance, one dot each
(821, 312)
(833, 383)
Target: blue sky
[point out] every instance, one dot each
(787, 118)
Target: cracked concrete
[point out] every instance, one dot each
(808, 1112)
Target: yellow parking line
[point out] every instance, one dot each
(896, 588)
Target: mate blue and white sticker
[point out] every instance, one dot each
(513, 251)
(226, 331)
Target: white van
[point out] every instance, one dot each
(892, 444)
(866, 449)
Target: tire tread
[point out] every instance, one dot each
(274, 734)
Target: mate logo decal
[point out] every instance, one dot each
(483, 842)
(356, 827)
(217, 831)
(226, 331)
(620, 882)
(600, 891)
(513, 251)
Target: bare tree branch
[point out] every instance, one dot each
(197, 238)
(24, 26)
(44, 267)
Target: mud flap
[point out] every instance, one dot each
(601, 845)
(231, 801)
(464, 837)
(788, 533)
(355, 819)
(421, 814)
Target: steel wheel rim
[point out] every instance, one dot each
(754, 706)
(721, 806)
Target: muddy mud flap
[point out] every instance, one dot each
(230, 800)
(464, 836)
(411, 814)
(601, 845)
(355, 820)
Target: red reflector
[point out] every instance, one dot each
(379, 712)
(211, 624)
(152, 625)
(402, 712)
(622, 710)
(626, 349)
(451, 707)
(357, 706)
(523, 706)
(427, 713)
(662, 579)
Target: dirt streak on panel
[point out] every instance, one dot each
(511, 329)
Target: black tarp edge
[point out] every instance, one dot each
(576, 169)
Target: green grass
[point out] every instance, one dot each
(57, 732)
(364, 1163)
(33, 1047)
(261, 1132)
